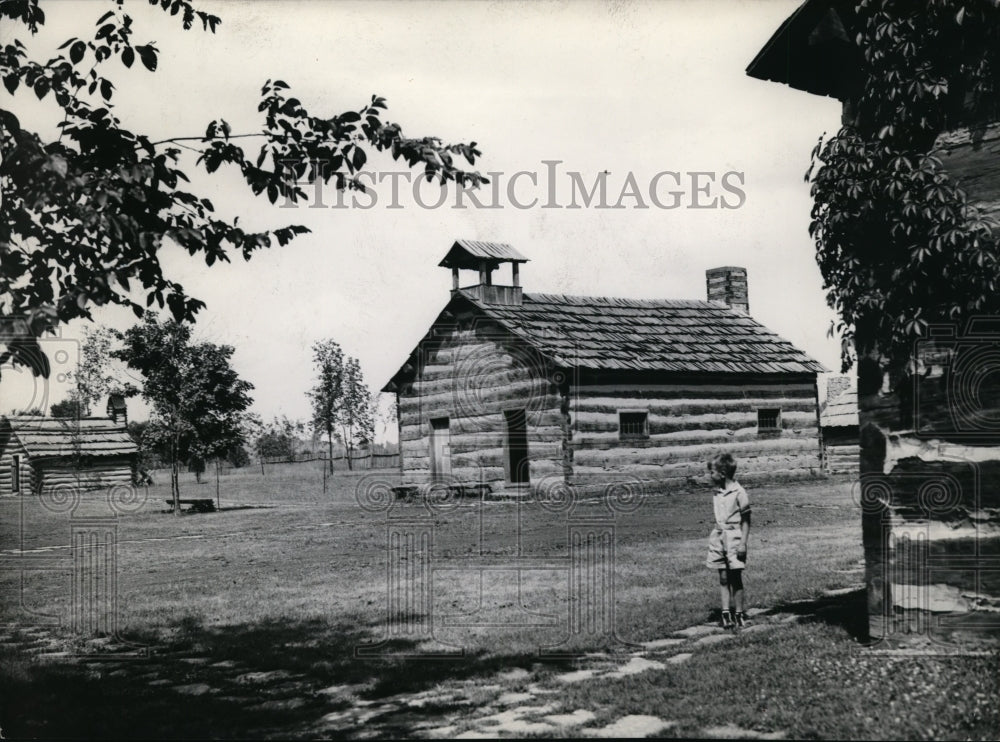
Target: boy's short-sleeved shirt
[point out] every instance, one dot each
(730, 504)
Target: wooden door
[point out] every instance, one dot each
(517, 446)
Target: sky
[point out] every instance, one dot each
(548, 88)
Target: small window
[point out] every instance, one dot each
(15, 474)
(633, 424)
(768, 420)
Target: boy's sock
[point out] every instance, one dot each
(727, 619)
(741, 620)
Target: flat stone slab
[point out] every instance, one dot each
(637, 665)
(580, 716)
(731, 731)
(194, 689)
(631, 726)
(504, 717)
(518, 673)
(834, 592)
(679, 658)
(224, 664)
(576, 676)
(714, 639)
(262, 677)
(445, 732)
(440, 699)
(539, 690)
(663, 643)
(692, 632)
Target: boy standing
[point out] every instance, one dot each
(727, 543)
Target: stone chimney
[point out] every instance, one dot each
(835, 385)
(728, 285)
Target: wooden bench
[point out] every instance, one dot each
(206, 505)
(409, 491)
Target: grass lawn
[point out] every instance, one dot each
(282, 585)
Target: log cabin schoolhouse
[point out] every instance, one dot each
(37, 453)
(512, 389)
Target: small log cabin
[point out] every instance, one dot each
(41, 452)
(839, 426)
(929, 448)
(514, 389)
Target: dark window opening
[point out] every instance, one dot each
(633, 424)
(768, 419)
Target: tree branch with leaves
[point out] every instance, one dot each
(85, 215)
(898, 242)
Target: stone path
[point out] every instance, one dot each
(517, 701)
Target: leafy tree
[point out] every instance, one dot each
(279, 438)
(95, 377)
(68, 408)
(238, 456)
(33, 412)
(152, 453)
(198, 400)
(355, 417)
(327, 395)
(341, 402)
(898, 243)
(86, 213)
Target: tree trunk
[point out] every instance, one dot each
(329, 441)
(175, 488)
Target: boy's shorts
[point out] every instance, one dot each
(722, 548)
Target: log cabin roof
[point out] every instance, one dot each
(813, 50)
(469, 254)
(49, 437)
(841, 411)
(609, 334)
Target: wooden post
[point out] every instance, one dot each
(218, 502)
(454, 279)
(515, 274)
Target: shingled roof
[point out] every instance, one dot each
(48, 437)
(603, 333)
(470, 254)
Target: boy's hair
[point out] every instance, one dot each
(724, 463)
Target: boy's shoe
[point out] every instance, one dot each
(727, 620)
(741, 620)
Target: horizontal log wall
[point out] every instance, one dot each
(97, 474)
(842, 459)
(690, 422)
(10, 448)
(931, 498)
(471, 377)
